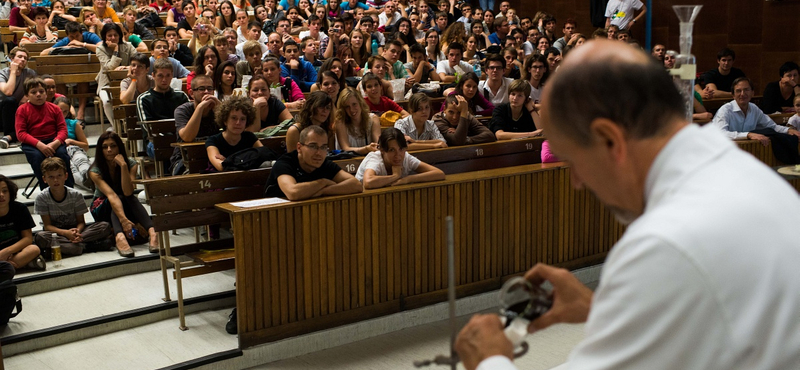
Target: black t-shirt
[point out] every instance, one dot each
(723, 82)
(773, 100)
(13, 223)
(275, 108)
(502, 119)
(225, 149)
(289, 164)
(184, 24)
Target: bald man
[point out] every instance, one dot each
(705, 276)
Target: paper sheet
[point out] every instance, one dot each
(259, 202)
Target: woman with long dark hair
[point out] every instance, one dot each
(334, 65)
(316, 111)
(226, 15)
(406, 34)
(113, 173)
(205, 62)
(114, 55)
(225, 80)
(468, 88)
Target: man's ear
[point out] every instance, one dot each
(610, 136)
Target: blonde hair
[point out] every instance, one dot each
(84, 10)
(341, 114)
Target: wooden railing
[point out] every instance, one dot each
(311, 265)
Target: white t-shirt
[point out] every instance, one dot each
(374, 161)
(240, 37)
(706, 277)
(444, 67)
(622, 12)
(407, 127)
(502, 93)
(536, 93)
(383, 19)
(322, 35)
(794, 121)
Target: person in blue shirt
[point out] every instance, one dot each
(284, 4)
(76, 39)
(500, 33)
(302, 72)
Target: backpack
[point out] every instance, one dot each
(8, 301)
(248, 159)
(69, 51)
(268, 26)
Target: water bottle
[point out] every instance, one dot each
(374, 47)
(55, 249)
(476, 66)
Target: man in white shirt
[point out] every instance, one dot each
(447, 70)
(389, 16)
(495, 86)
(243, 20)
(620, 13)
(705, 276)
(737, 118)
(314, 26)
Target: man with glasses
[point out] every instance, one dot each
(307, 172)
(194, 120)
(495, 86)
(740, 119)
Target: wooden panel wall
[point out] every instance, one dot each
(312, 265)
(764, 34)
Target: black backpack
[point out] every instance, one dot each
(248, 159)
(8, 301)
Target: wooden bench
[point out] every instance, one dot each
(188, 201)
(162, 134)
(73, 69)
(34, 49)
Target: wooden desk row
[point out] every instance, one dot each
(311, 265)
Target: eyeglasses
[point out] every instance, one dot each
(203, 88)
(493, 68)
(315, 147)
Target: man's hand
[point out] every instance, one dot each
(761, 138)
(209, 103)
(794, 132)
(462, 105)
(54, 145)
(571, 299)
(287, 37)
(530, 105)
(15, 68)
(173, 46)
(482, 338)
(294, 64)
(45, 149)
(74, 235)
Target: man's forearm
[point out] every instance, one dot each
(303, 190)
(348, 186)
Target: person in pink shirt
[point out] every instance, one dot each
(41, 129)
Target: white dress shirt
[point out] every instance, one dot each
(735, 124)
(707, 277)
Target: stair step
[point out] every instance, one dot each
(88, 310)
(14, 154)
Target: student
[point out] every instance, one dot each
(305, 172)
(252, 34)
(794, 121)
(205, 63)
(62, 209)
(357, 129)
(334, 65)
(376, 101)
(177, 50)
(302, 72)
(160, 101)
(468, 88)
(317, 111)
(419, 68)
(12, 92)
(233, 116)
(447, 69)
(314, 29)
(114, 54)
(16, 223)
(536, 71)
(77, 145)
(225, 80)
(291, 93)
(40, 32)
(113, 173)
(378, 67)
(329, 84)
(195, 119)
(516, 119)
(392, 165)
(41, 129)
(250, 65)
(421, 132)
(495, 86)
(309, 49)
(458, 126)
(270, 110)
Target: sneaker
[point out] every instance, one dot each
(4, 143)
(37, 264)
(231, 327)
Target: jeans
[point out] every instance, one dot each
(487, 5)
(35, 158)
(8, 113)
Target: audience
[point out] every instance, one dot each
(290, 92)
(392, 165)
(718, 81)
(357, 129)
(459, 126)
(316, 111)
(377, 102)
(420, 132)
(138, 80)
(516, 119)
(269, 109)
(495, 86)
(447, 69)
(194, 120)
(41, 129)
(233, 116)
(16, 236)
(113, 173)
(225, 80)
(306, 172)
(302, 72)
(77, 145)
(161, 50)
(12, 92)
(779, 95)
(62, 210)
(114, 54)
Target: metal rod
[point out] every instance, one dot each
(451, 287)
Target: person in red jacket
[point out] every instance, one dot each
(41, 129)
